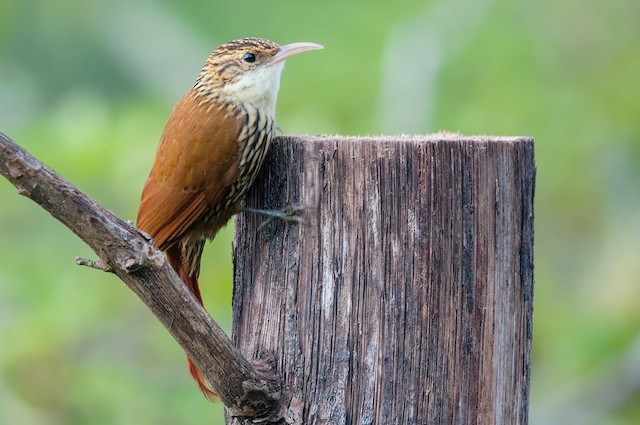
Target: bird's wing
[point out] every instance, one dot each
(196, 161)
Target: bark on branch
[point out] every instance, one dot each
(131, 255)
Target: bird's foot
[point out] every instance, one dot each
(290, 213)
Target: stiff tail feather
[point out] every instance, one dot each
(191, 281)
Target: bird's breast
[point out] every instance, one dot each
(253, 143)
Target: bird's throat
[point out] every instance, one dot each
(257, 89)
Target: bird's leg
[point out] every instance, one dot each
(290, 213)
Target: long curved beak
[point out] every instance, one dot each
(293, 49)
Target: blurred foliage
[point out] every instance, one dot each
(86, 86)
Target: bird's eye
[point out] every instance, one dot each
(249, 57)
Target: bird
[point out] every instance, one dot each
(212, 147)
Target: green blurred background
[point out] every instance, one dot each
(86, 86)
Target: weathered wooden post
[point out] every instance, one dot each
(406, 296)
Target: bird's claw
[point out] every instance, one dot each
(290, 213)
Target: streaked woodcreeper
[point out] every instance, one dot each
(212, 147)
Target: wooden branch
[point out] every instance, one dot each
(132, 256)
(406, 296)
(93, 264)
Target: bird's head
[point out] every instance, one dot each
(248, 70)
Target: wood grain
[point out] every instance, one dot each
(406, 296)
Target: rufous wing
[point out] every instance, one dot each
(196, 162)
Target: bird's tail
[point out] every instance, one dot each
(191, 281)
